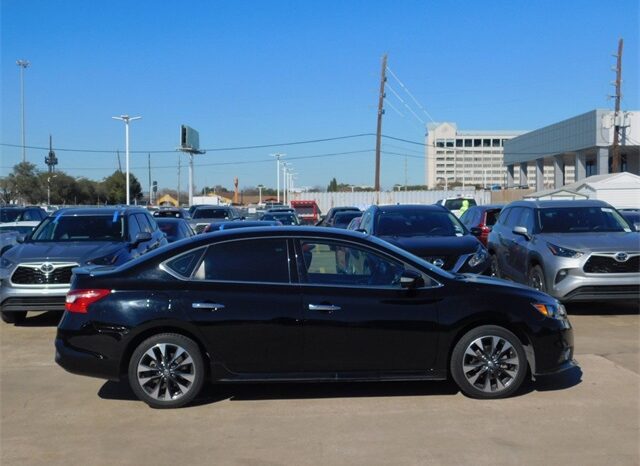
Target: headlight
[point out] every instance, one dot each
(553, 311)
(563, 252)
(5, 263)
(479, 257)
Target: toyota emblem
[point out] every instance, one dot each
(621, 256)
(47, 267)
(438, 262)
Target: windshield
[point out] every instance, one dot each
(581, 220)
(211, 213)
(456, 204)
(80, 228)
(344, 218)
(10, 215)
(419, 223)
(285, 219)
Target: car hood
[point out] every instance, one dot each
(599, 241)
(74, 251)
(430, 245)
(509, 287)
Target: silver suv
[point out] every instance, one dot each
(573, 250)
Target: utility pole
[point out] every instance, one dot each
(119, 163)
(383, 80)
(149, 165)
(277, 156)
(126, 119)
(406, 174)
(23, 64)
(616, 162)
(178, 180)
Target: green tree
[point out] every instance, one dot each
(26, 184)
(333, 186)
(115, 188)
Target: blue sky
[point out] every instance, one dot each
(259, 72)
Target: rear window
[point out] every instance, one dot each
(212, 213)
(492, 217)
(168, 213)
(10, 215)
(456, 204)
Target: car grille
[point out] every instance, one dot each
(448, 261)
(39, 303)
(34, 276)
(603, 264)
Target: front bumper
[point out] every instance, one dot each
(553, 349)
(31, 298)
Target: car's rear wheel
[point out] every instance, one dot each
(14, 317)
(166, 370)
(489, 362)
(536, 278)
(494, 267)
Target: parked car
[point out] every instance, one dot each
(354, 224)
(573, 250)
(174, 229)
(175, 212)
(306, 304)
(428, 231)
(342, 219)
(328, 219)
(308, 211)
(285, 218)
(240, 224)
(22, 214)
(35, 274)
(457, 205)
(480, 219)
(11, 233)
(632, 216)
(204, 215)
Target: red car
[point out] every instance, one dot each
(479, 220)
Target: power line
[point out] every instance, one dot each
(405, 104)
(410, 95)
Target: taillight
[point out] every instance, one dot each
(79, 300)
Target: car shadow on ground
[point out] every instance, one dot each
(41, 319)
(604, 308)
(214, 393)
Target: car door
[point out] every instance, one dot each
(243, 299)
(357, 317)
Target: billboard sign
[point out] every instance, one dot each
(189, 139)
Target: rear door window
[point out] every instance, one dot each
(263, 260)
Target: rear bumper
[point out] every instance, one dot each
(85, 363)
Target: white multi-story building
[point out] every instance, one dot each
(467, 157)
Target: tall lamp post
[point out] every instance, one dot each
(127, 119)
(277, 156)
(260, 187)
(49, 189)
(23, 64)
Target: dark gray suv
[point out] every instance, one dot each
(35, 274)
(573, 250)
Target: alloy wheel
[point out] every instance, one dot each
(166, 371)
(490, 364)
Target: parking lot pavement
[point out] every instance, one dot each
(587, 416)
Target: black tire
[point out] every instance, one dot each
(177, 383)
(494, 267)
(481, 375)
(536, 280)
(14, 317)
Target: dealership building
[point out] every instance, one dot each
(573, 149)
(467, 157)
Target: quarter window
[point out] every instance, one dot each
(334, 263)
(184, 264)
(253, 260)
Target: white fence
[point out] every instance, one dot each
(364, 199)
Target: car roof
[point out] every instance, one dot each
(207, 206)
(98, 210)
(559, 203)
(406, 207)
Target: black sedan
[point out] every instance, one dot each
(303, 304)
(429, 231)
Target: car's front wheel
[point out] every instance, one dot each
(166, 370)
(14, 317)
(489, 362)
(536, 278)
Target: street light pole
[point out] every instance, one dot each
(49, 189)
(127, 119)
(23, 64)
(277, 156)
(260, 194)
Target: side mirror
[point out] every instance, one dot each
(20, 238)
(475, 231)
(411, 279)
(141, 237)
(361, 230)
(522, 231)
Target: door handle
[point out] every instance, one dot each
(324, 307)
(208, 306)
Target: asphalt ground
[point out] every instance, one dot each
(589, 415)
